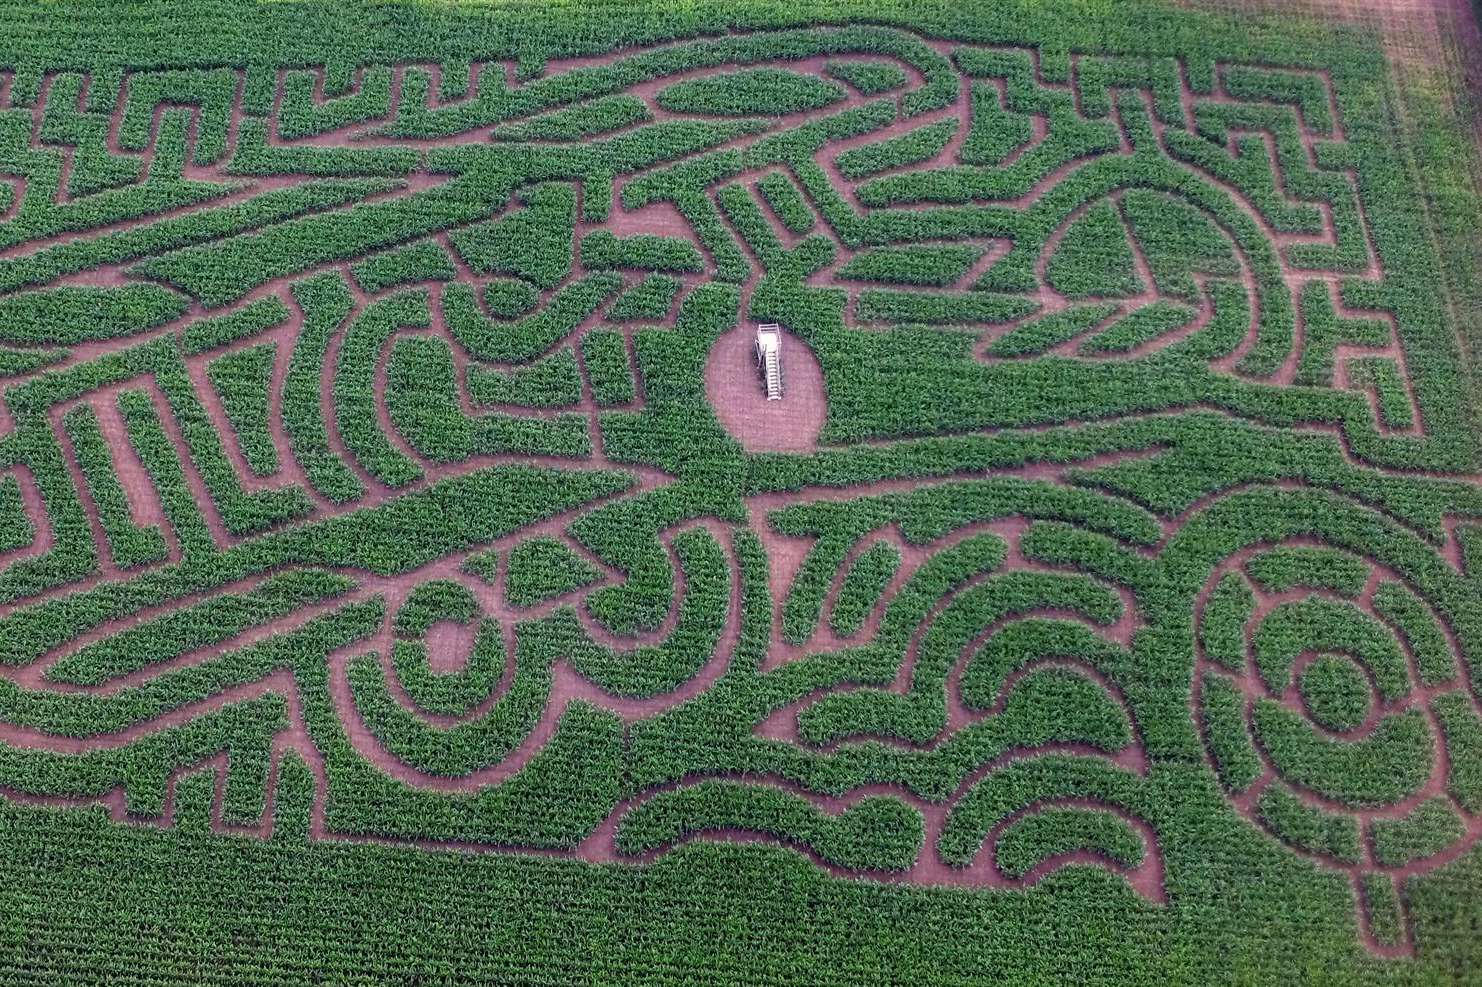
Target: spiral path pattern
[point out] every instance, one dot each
(381, 459)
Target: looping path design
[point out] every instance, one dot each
(381, 458)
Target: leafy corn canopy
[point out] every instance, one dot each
(386, 465)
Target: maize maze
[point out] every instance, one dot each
(382, 460)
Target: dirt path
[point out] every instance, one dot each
(732, 385)
(1424, 30)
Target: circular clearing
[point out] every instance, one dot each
(735, 390)
(449, 645)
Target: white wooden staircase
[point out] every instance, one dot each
(769, 359)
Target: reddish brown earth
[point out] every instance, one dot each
(448, 646)
(1419, 697)
(734, 391)
(1441, 34)
(734, 386)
